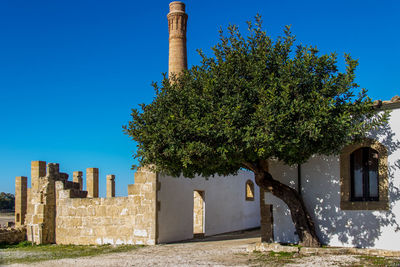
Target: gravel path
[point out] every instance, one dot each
(223, 250)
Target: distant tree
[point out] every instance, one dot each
(255, 100)
(7, 201)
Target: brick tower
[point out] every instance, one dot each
(177, 21)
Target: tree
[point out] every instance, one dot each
(7, 201)
(255, 100)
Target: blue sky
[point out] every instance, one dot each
(70, 71)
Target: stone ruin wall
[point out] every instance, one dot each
(12, 235)
(58, 211)
(115, 220)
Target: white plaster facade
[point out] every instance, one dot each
(320, 188)
(225, 206)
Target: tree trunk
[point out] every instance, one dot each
(302, 221)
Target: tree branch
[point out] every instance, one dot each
(250, 166)
(263, 165)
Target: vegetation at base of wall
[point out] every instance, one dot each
(282, 258)
(7, 201)
(378, 261)
(22, 244)
(25, 252)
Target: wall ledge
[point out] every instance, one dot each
(276, 247)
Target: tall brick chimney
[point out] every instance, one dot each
(177, 21)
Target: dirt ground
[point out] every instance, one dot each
(6, 217)
(222, 250)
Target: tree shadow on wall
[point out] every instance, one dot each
(359, 228)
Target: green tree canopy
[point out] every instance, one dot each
(254, 100)
(7, 201)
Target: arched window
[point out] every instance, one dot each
(249, 190)
(364, 183)
(364, 174)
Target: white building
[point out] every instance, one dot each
(351, 206)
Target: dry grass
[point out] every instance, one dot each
(25, 252)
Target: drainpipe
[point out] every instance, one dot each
(299, 179)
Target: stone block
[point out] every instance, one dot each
(102, 211)
(133, 189)
(275, 247)
(38, 169)
(37, 219)
(71, 211)
(140, 232)
(92, 182)
(137, 200)
(21, 199)
(140, 177)
(110, 185)
(53, 170)
(306, 250)
(78, 178)
(150, 196)
(146, 188)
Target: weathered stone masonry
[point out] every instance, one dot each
(12, 235)
(111, 220)
(41, 210)
(58, 211)
(177, 24)
(21, 197)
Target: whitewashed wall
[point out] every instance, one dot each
(321, 193)
(226, 209)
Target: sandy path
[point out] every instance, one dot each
(223, 250)
(6, 217)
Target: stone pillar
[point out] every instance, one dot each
(41, 213)
(77, 178)
(144, 194)
(38, 169)
(21, 199)
(110, 185)
(177, 21)
(92, 182)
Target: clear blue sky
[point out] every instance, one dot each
(70, 71)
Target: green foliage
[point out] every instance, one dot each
(22, 244)
(7, 201)
(255, 99)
